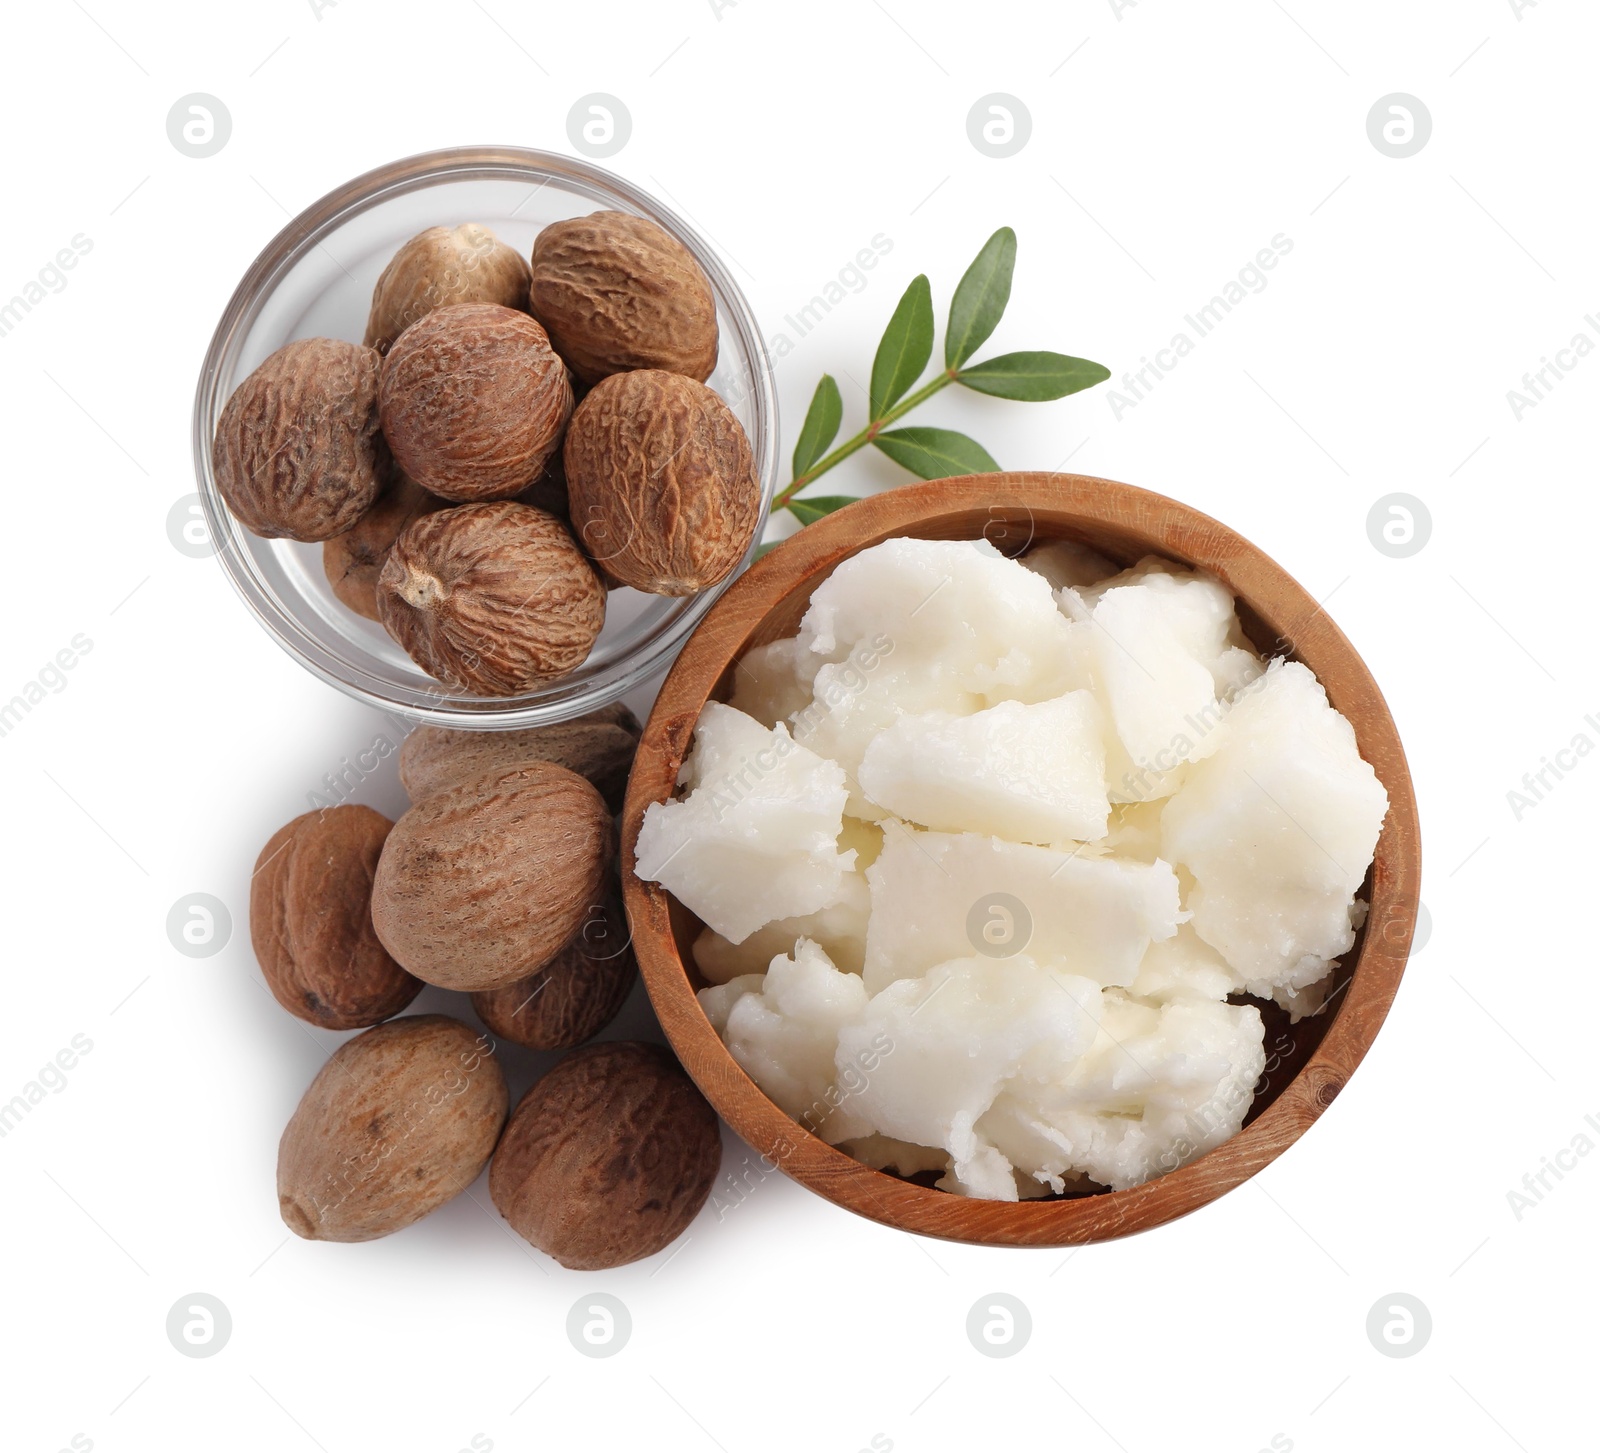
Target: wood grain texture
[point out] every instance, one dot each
(1013, 510)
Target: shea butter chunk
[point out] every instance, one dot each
(1166, 654)
(939, 896)
(1134, 830)
(1278, 828)
(883, 1152)
(954, 611)
(1184, 966)
(1158, 1087)
(1033, 773)
(785, 1036)
(773, 682)
(968, 1030)
(1066, 562)
(757, 837)
(1198, 610)
(849, 713)
(840, 928)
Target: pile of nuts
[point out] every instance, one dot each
(501, 882)
(510, 440)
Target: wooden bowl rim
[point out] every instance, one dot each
(1175, 529)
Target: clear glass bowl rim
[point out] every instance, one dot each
(425, 704)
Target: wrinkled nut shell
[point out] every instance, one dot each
(483, 883)
(353, 560)
(444, 265)
(608, 1158)
(297, 452)
(574, 996)
(311, 920)
(491, 598)
(398, 1121)
(473, 401)
(660, 481)
(599, 746)
(618, 293)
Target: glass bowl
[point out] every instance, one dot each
(315, 278)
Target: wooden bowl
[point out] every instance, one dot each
(1308, 1062)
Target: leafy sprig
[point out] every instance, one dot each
(903, 353)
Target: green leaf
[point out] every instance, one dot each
(980, 298)
(809, 511)
(1033, 377)
(905, 349)
(936, 453)
(821, 425)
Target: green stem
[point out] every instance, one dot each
(865, 437)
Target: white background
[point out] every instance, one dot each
(1170, 142)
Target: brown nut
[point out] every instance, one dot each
(473, 401)
(311, 920)
(608, 1158)
(598, 745)
(398, 1121)
(352, 560)
(444, 265)
(491, 598)
(297, 452)
(574, 996)
(662, 489)
(483, 883)
(617, 293)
